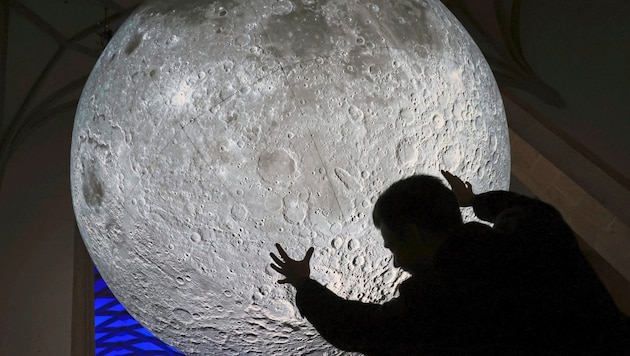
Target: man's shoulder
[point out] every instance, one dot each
(475, 251)
(472, 229)
(472, 237)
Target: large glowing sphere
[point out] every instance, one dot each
(209, 130)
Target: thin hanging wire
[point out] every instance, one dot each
(105, 33)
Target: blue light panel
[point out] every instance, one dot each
(116, 332)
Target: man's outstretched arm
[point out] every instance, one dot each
(495, 206)
(348, 325)
(534, 232)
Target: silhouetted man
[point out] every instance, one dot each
(521, 287)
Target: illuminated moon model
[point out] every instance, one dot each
(209, 130)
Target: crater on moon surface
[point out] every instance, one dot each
(276, 165)
(227, 126)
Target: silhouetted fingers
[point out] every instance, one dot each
(453, 180)
(449, 177)
(309, 254)
(275, 258)
(277, 269)
(283, 254)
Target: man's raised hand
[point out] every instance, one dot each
(293, 271)
(463, 191)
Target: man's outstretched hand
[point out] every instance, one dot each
(293, 271)
(463, 191)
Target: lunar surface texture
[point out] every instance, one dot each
(210, 130)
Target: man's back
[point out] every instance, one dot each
(521, 287)
(524, 283)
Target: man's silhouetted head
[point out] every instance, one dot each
(414, 215)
